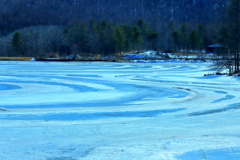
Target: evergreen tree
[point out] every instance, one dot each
(202, 36)
(152, 38)
(224, 36)
(17, 43)
(194, 40)
(105, 38)
(144, 32)
(176, 39)
(119, 38)
(92, 38)
(83, 39)
(136, 37)
(184, 37)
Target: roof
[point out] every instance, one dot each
(216, 45)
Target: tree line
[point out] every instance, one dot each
(104, 38)
(191, 39)
(90, 39)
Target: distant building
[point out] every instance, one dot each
(217, 49)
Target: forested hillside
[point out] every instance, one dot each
(43, 27)
(15, 14)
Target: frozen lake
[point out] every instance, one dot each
(117, 111)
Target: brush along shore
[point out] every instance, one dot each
(15, 58)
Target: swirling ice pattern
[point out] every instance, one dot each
(124, 101)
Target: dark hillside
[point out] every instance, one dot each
(15, 14)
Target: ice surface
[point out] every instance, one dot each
(125, 111)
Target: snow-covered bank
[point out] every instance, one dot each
(71, 111)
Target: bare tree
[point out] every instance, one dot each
(234, 24)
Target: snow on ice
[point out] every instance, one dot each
(106, 111)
